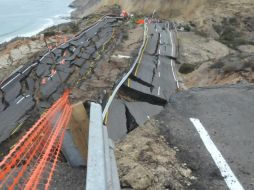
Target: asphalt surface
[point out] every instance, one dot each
(38, 85)
(219, 151)
(227, 115)
(153, 74)
(117, 125)
(152, 80)
(124, 116)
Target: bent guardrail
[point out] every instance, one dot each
(127, 74)
(102, 171)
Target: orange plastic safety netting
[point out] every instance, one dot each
(32, 161)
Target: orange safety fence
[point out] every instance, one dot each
(140, 21)
(32, 161)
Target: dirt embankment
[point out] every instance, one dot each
(217, 45)
(84, 7)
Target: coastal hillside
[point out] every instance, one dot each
(172, 97)
(164, 7)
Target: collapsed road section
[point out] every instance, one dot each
(33, 88)
(149, 85)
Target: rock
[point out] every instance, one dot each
(246, 48)
(138, 178)
(16, 54)
(36, 45)
(24, 49)
(186, 68)
(145, 161)
(249, 23)
(235, 30)
(196, 50)
(4, 61)
(235, 62)
(185, 172)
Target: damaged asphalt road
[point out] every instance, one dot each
(150, 84)
(211, 128)
(35, 86)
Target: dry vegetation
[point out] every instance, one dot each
(166, 8)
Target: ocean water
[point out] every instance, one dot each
(24, 18)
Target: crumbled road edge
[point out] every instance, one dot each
(146, 161)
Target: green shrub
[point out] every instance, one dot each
(186, 68)
(49, 33)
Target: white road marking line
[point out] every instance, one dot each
(29, 68)
(159, 74)
(34, 64)
(159, 62)
(159, 90)
(121, 56)
(171, 61)
(10, 81)
(26, 69)
(159, 51)
(172, 44)
(153, 13)
(20, 100)
(229, 177)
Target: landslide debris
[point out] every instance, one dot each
(213, 31)
(207, 62)
(146, 161)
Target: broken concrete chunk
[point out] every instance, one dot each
(142, 111)
(117, 120)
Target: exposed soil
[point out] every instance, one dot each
(149, 157)
(146, 161)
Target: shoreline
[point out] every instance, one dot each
(55, 21)
(78, 10)
(20, 50)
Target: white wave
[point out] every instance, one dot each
(57, 19)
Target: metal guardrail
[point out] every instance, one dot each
(101, 165)
(102, 171)
(127, 74)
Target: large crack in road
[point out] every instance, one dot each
(210, 128)
(150, 95)
(150, 84)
